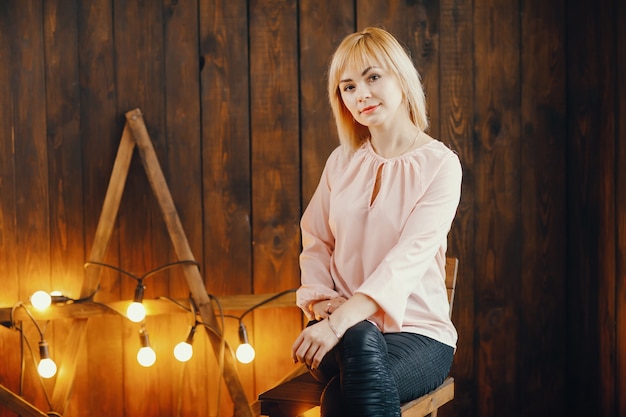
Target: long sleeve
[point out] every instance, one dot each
(318, 244)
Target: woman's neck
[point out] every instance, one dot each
(390, 143)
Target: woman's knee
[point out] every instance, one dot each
(364, 337)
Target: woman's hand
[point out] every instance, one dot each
(318, 339)
(324, 308)
(314, 343)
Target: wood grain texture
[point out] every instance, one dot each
(144, 244)
(100, 134)
(226, 182)
(497, 204)
(620, 276)
(541, 360)
(32, 211)
(322, 26)
(591, 209)
(184, 178)
(457, 130)
(18, 404)
(64, 145)
(8, 231)
(275, 166)
(226, 146)
(183, 139)
(65, 172)
(9, 340)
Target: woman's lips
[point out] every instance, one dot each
(369, 109)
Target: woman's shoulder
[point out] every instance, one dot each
(339, 158)
(438, 147)
(438, 152)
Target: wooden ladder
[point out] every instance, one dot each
(299, 392)
(135, 135)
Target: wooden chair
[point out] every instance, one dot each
(299, 391)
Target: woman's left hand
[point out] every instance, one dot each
(313, 343)
(324, 308)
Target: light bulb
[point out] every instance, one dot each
(136, 312)
(183, 351)
(40, 300)
(46, 368)
(245, 353)
(146, 356)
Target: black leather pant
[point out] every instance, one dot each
(369, 373)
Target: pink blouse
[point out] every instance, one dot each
(392, 249)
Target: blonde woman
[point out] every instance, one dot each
(374, 239)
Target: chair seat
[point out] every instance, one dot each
(297, 395)
(430, 403)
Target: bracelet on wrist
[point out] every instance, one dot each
(332, 328)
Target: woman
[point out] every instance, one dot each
(374, 239)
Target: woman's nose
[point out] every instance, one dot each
(364, 93)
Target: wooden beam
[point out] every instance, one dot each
(196, 284)
(158, 307)
(18, 404)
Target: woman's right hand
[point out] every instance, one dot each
(324, 308)
(313, 343)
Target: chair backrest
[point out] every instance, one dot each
(452, 267)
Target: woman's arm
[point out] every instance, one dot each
(318, 244)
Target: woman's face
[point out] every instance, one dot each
(371, 94)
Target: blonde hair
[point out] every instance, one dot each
(360, 50)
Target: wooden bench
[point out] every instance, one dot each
(300, 392)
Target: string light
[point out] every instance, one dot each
(46, 368)
(40, 300)
(184, 350)
(136, 312)
(146, 356)
(245, 352)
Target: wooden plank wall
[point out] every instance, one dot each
(529, 93)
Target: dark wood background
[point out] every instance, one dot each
(528, 92)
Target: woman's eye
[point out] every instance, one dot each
(348, 87)
(374, 77)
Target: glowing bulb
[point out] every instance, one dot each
(183, 351)
(47, 368)
(136, 312)
(146, 356)
(40, 300)
(245, 353)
